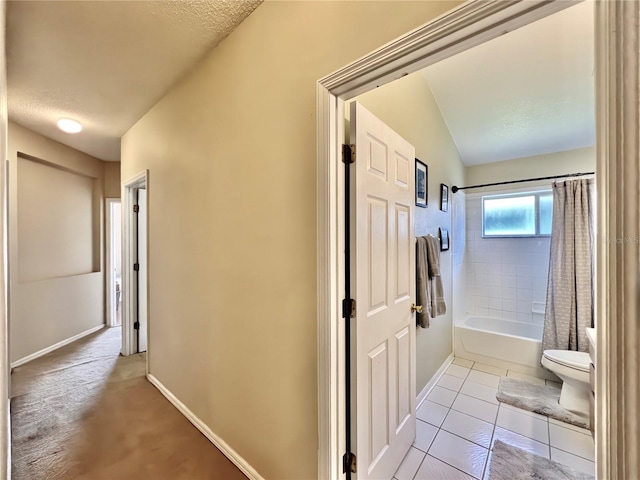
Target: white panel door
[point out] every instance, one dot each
(142, 274)
(384, 408)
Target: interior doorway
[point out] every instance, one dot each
(140, 270)
(462, 28)
(114, 262)
(135, 266)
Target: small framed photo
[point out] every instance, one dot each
(444, 239)
(444, 197)
(422, 183)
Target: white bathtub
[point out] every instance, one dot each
(501, 343)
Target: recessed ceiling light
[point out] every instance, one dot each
(69, 126)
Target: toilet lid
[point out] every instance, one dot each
(568, 358)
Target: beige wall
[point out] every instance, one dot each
(5, 447)
(54, 206)
(559, 163)
(231, 154)
(111, 179)
(45, 311)
(407, 106)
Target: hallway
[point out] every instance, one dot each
(84, 412)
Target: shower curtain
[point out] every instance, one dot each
(569, 308)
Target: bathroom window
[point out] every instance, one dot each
(517, 215)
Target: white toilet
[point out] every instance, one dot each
(573, 369)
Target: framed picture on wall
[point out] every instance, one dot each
(422, 184)
(444, 239)
(444, 197)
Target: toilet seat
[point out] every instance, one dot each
(570, 359)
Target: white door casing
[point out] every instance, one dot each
(130, 189)
(459, 29)
(143, 269)
(383, 246)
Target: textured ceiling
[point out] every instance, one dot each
(105, 63)
(526, 93)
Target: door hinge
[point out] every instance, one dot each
(348, 308)
(136, 267)
(348, 153)
(136, 208)
(349, 463)
(136, 325)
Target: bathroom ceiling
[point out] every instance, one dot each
(105, 63)
(526, 93)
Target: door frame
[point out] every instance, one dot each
(462, 28)
(129, 189)
(110, 295)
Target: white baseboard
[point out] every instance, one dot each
(432, 383)
(228, 452)
(58, 345)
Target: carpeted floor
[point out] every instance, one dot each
(84, 412)
(511, 463)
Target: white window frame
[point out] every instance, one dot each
(537, 194)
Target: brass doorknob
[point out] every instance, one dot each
(416, 308)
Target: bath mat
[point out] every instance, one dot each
(542, 399)
(512, 463)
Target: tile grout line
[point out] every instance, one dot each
(549, 433)
(460, 436)
(570, 453)
(447, 463)
(423, 459)
(431, 444)
(480, 400)
(458, 393)
(588, 434)
(494, 424)
(493, 433)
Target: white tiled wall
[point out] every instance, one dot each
(504, 277)
(458, 221)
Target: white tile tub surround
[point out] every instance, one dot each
(458, 250)
(455, 442)
(503, 277)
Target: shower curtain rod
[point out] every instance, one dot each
(454, 189)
